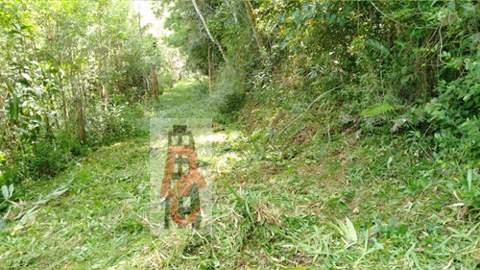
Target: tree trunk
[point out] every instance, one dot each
(251, 17)
(81, 132)
(104, 97)
(154, 81)
(64, 107)
(48, 127)
(146, 83)
(210, 68)
(214, 41)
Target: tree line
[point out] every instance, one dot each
(406, 68)
(69, 71)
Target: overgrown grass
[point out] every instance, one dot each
(336, 199)
(96, 219)
(349, 200)
(309, 199)
(49, 155)
(94, 214)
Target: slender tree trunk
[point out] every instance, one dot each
(146, 82)
(214, 41)
(154, 81)
(53, 107)
(65, 112)
(104, 97)
(48, 127)
(64, 107)
(251, 17)
(210, 68)
(81, 132)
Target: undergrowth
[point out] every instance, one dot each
(319, 195)
(49, 155)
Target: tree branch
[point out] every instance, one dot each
(208, 31)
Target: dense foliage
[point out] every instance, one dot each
(402, 66)
(68, 70)
(345, 134)
(364, 114)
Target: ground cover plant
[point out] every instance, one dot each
(347, 133)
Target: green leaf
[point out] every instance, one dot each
(378, 46)
(377, 109)
(347, 231)
(26, 77)
(469, 179)
(5, 192)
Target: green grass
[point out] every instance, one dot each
(406, 211)
(94, 215)
(97, 222)
(274, 207)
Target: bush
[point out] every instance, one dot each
(116, 123)
(45, 157)
(230, 89)
(233, 103)
(49, 157)
(455, 114)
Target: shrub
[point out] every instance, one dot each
(118, 122)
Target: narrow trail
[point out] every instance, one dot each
(94, 215)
